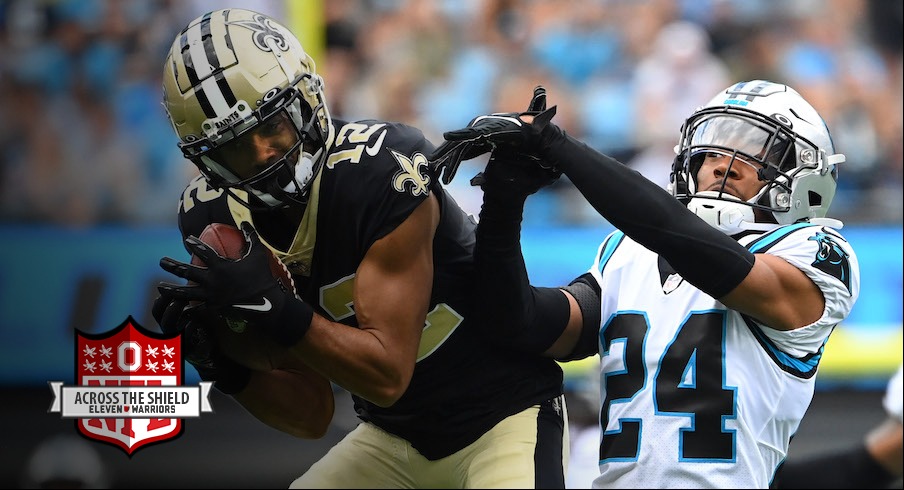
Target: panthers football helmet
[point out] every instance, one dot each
(781, 134)
(234, 73)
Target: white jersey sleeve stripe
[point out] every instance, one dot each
(765, 242)
(607, 248)
(801, 367)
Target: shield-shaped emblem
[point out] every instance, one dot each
(129, 355)
(671, 283)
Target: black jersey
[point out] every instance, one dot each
(375, 175)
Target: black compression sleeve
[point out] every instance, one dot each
(650, 215)
(850, 468)
(587, 293)
(521, 316)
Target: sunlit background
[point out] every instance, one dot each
(90, 175)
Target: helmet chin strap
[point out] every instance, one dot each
(304, 172)
(276, 194)
(732, 218)
(726, 216)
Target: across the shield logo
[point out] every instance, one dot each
(129, 356)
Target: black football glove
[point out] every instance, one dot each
(198, 346)
(487, 132)
(509, 176)
(243, 289)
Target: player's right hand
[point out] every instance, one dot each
(514, 131)
(242, 288)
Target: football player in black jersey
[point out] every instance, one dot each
(382, 261)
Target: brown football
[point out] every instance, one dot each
(238, 340)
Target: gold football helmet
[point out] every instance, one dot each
(248, 106)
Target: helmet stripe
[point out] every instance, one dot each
(188, 48)
(756, 89)
(186, 59)
(210, 52)
(747, 90)
(213, 92)
(225, 89)
(210, 89)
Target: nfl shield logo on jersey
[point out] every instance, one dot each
(129, 389)
(671, 283)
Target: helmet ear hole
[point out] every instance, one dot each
(814, 198)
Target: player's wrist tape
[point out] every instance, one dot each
(291, 323)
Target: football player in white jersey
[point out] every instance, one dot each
(877, 462)
(711, 303)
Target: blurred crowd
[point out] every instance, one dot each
(85, 139)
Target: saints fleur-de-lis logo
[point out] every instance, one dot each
(410, 176)
(264, 30)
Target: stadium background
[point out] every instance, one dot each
(90, 174)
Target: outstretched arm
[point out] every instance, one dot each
(765, 287)
(533, 319)
(650, 215)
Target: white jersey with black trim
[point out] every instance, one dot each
(694, 394)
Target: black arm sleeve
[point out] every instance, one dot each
(849, 468)
(650, 215)
(587, 293)
(521, 316)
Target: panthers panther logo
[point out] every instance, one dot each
(832, 259)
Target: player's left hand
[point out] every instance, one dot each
(170, 314)
(509, 176)
(199, 347)
(515, 130)
(242, 288)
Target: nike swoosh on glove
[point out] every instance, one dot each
(243, 288)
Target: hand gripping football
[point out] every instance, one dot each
(235, 338)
